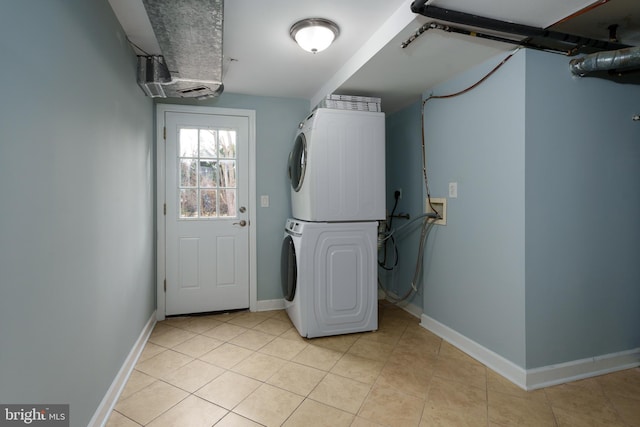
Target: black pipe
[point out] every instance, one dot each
(465, 32)
(458, 30)
(579, 43)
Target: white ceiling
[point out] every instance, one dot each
(261, 58)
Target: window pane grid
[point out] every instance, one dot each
(207, 182)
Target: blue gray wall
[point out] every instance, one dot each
(276, 125)
(538, 260)
(475, 265)
(76, 210)
(582, 214)
(76, 224)
(404, 171)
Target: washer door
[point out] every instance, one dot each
(298, 162)
(288, 268)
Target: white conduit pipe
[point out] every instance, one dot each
(604, 61)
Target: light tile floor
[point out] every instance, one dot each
(252, 369)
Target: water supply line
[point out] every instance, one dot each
(424, 233)
(386, 227)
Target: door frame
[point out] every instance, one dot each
(161, 109)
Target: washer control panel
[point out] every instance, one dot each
(293, 226)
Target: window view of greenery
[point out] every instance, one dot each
(207, 160)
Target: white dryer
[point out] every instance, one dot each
(337, 166)
(329, 277)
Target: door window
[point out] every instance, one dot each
(207, 179)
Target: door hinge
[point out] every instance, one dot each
(164, 133)
(165, 209)
(165, 285)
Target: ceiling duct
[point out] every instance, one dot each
(189, 33)
(616, 63)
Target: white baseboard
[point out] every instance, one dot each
(101, 415)
(531, 379)
(270, 304)
(580, 369)
(494, 361)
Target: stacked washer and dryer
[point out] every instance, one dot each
(329, 252)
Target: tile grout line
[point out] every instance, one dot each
(326, 372)
(424, 398)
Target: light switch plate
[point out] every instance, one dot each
(453, 190)
(264, 201)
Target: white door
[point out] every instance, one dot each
(207, 219)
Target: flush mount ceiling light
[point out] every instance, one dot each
(314, 34)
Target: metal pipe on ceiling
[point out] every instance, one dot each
(575, 44)
(621, 59)
(481, 35)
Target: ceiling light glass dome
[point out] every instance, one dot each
(314, 34)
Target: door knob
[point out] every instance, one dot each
(241, 223)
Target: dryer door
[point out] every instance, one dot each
(298, 162)
(288, 268)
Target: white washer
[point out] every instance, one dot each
(337, 167)
(329, 277)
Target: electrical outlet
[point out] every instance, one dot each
(399, 193)
(264, 201)
(440, 206)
